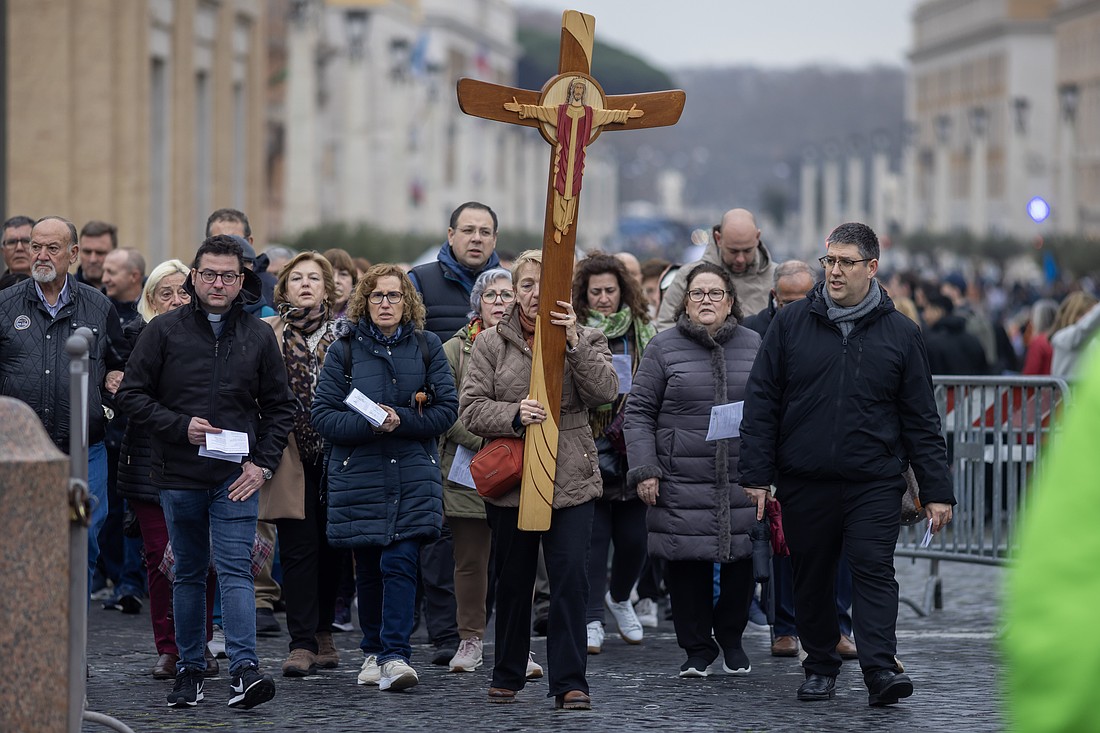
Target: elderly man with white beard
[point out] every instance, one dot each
(38, 316)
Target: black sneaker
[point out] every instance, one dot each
(266, 623)
(187, 692)
(250, 688)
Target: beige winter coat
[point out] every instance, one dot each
(498, 376)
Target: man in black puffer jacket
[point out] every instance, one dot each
(838, 403)
(206, 367)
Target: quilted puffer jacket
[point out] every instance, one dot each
(498, 376)
(34, 366)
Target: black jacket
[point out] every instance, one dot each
(833, 409)
(951, 350)
(134, 462)
(179, 370)
(759, 322)
(34, 366)
(446, 299)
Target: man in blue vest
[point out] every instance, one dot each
(445, 286)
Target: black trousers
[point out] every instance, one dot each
(862, 520)
(437, 590)
(311, 568)
(694, 612)
(621, 522)
(565, 546)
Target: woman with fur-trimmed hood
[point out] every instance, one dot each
(698, 515)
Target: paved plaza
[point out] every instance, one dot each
(951, 656)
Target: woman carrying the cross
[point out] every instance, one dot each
(494, 403)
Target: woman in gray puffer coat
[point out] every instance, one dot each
(697, 514)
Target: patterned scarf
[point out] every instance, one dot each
(527, 325)
(306, 338)
(473, 328)
(377, 335)
(618, 325)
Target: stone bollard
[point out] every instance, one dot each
(34, 575)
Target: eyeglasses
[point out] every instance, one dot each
(53, 250)
(209, 277)
(714, 296)
(394, 297)
(829, 262)
(15, 242)
(490, 296)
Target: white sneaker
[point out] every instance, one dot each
(534, 669)
(397, 675)
(595, 637)
(646, 611)
(370, 674)
(468, 657)
(217, 643)
(630, 628)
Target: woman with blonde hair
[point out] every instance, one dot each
(305, 328)
(496, 404)
(1074, 326)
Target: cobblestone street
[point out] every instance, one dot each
(950, 655)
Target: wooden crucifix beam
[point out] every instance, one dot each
(570, 111)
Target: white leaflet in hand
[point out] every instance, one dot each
(221, 455)
(624, 367)
(228, 441)
(927, 539)
(366, 407)
(725, 421)
(460, 469)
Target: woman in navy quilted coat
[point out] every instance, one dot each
(385, 488)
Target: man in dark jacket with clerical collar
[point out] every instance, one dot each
(838, 403)
(203, 369)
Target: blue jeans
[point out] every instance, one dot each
(97, 489)
(385, 579)
(197, 521)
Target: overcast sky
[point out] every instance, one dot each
(761, 32)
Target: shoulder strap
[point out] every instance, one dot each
(422, 341)
(347, 361)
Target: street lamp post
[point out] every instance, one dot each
(1069, 94)
(979, 188)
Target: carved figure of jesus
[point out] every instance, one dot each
(574, 123)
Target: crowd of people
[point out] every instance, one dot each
(295, 430)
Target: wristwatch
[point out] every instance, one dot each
(267, 472)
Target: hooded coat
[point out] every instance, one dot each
(701, 512)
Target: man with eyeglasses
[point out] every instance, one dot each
(207, 367)
(15, 238)
(445, 285)
(839, 402)
(38, 316)
(737, 248)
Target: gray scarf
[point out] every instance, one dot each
(845, 318)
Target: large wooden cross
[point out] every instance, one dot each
(570, 111)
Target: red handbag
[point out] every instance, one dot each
(498, 467)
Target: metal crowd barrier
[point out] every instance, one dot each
(996, 429)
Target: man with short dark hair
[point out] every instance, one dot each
(839, 401)
(97, 238)
(951, 348)
(39, 316)
(445, 285)
(204, 368)
(15, 239)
